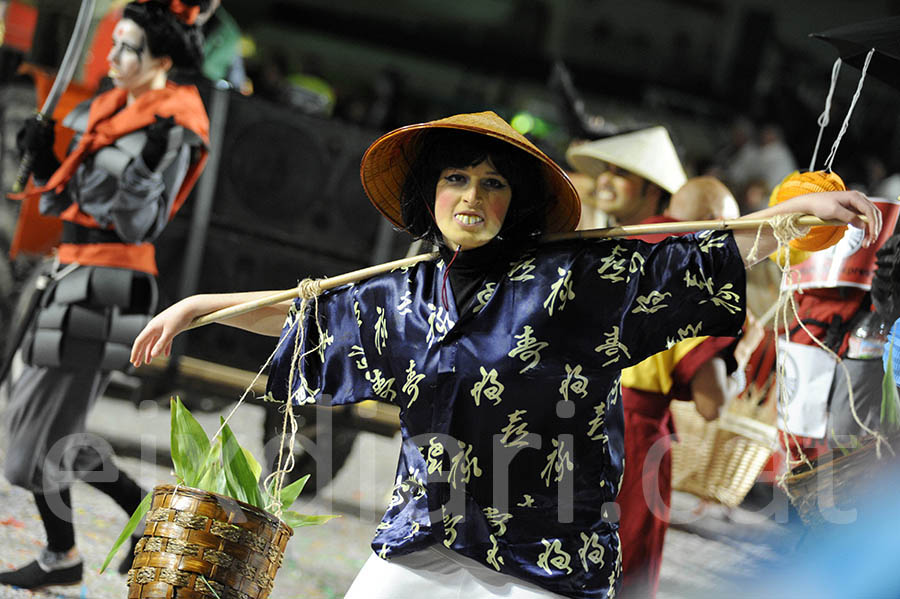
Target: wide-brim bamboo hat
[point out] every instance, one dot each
(387, 162)
(648, 153)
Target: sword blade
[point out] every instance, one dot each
(63, 78)
(71, 58)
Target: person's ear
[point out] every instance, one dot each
(165, 63)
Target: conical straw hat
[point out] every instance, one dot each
(648, 153)
(389, 159)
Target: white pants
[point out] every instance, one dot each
(437, 573)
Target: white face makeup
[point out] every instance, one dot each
(131, 66)
(471, 204)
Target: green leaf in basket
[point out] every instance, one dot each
(239, 476)
(130, 527)
(837, 443)
(211, 476)
(189, 444)
(890, 403)
(290, 493)
(254, 465)
(296, 520)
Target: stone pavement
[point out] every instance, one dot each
(707, 548)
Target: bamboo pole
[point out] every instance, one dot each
(683, 227)
(323, 284)
(608, 232)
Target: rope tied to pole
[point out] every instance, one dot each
(309, 288)
(785, 228)
(309, 291)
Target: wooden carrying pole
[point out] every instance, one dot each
(323, 284)
(620, 231)
(683, 227)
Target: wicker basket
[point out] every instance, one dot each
(839, 483)
(720, 460)
(200, 545)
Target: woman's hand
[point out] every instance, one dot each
(156, 338)
(845, 206)
(157, 141)
(37, 136)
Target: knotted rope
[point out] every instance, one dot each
(307, 290)
(784, 227)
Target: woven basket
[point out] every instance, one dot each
(720, 460)
(839, 483)
(199, 545)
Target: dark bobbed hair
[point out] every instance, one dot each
(166, 35)
(441, 148)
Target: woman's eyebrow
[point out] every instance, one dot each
(127, 44)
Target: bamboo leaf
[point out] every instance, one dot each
(219, 481)
(890, 403)
(189, 444)
(254, 465)
(296, 520)
(214, 480)
(838, 444)
(142, 509)
(210, 475)
(290, 493)
(238, 475)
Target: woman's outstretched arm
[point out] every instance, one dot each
(846, 206)
(156, 338)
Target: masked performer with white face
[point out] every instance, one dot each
(138, 150)
(504, 358)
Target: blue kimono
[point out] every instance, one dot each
(511, 413)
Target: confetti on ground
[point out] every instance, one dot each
(12, 522)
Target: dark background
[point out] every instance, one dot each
(693, 65)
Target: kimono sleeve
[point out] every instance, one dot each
(320, 357)
(687, 287)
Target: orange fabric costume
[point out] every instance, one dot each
(109, 119)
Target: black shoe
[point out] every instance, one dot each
(34, 577)
(125, 564)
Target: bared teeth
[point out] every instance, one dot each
(604, 195)
(468, 219)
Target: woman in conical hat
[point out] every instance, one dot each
(139, 150)
(503, 357)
